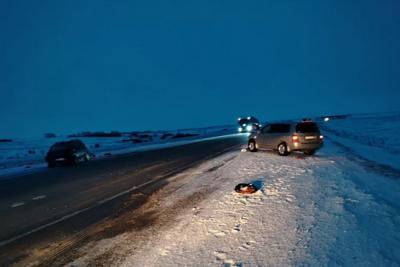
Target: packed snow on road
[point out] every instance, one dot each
(338, 207)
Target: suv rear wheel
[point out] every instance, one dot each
(309, 152)
(252, 146)
(282, 149)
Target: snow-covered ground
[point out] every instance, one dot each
(337, 208)
(374, 136)
(24, 155)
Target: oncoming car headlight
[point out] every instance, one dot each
(240, 129)
(249, 128)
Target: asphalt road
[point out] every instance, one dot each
(31, 203)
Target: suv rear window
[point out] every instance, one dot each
(307, 127)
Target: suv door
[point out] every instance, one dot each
(262, 137)
(276, 133)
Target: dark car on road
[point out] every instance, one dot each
(67, 153)
(248, 125)
(286, 137)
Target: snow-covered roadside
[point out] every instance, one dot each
(372, 136)
(310, 211)
(372, 153)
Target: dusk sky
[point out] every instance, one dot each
(69, 66)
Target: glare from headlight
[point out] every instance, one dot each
(326, 119)
(249, 128)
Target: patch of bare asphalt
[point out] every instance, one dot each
(61, 251)
(56, 248)
(148, 220)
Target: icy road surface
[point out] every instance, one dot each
(325, 210)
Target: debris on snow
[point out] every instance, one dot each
(246, 188)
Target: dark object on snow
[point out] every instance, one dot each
(108, 154)
(96, 134)
(134, 140)
(166, 135)
(138, 141)
(183, 135)
(5, 140)
(50, 135)
(246, 188)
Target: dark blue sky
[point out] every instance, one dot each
(67, 66)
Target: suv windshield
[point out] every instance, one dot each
(60, 146)
(307, 127)
(65, 146)
(243, 121)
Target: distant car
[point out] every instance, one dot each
(285, 137)
(67, 153)
(248, 125)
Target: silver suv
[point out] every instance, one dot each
(287, 137)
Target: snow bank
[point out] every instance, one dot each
(372, 136)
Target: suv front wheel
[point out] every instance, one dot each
(252, 146)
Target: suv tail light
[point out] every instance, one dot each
(295, 138)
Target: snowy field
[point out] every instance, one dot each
(373, 136)
(25, 155)
(337, 208)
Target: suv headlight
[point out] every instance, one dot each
(249, 128)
